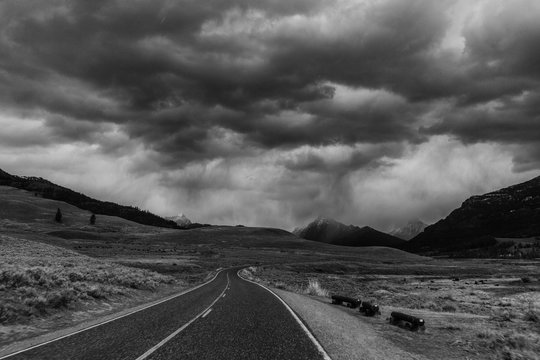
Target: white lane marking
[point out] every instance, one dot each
(116, 318)
(164, 341)
(224, 295)
(302, 325)
(206, 313)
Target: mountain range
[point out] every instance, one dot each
(512, 212)
(333, 232)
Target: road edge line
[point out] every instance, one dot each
(113, 319)
(179, 330)
(295, 316)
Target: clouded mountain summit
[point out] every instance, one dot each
(333, 232)
(180, 220)
(261, 112)
(409, 230)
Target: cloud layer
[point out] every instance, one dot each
(273, 112)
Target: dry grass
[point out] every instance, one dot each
(532, 314)
(311, 287)
(38, 279)
(510, 345)
(314, 288)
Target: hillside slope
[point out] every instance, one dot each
(512, 212)
(21, 210)
(49, 190)
(333, 232)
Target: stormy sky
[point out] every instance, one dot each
(269, 112)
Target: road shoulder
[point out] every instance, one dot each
(343, 336)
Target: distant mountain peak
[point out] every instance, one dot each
(324, 220)
(180, 219)
(409, 230)
(331, 231)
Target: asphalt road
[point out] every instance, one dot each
(228, 318)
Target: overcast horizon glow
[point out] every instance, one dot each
(271, 113)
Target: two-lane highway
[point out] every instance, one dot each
(227, 318)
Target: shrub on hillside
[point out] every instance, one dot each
(58, 216)
(532, 313)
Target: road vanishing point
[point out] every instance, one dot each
(225, 318)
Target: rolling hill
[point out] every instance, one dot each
(46, 189)
(333, 232)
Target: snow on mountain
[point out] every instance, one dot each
(180, 220)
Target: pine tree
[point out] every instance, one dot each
(93, 219)
(58, 216)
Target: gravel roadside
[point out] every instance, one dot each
(343, 336)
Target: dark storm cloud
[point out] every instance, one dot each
(382, 48)
(506, 42)
(158, 70)
(186, 77)
(507, 120)
(502, 102)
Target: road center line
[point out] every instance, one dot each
(164, 341)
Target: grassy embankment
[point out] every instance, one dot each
(40, 281)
